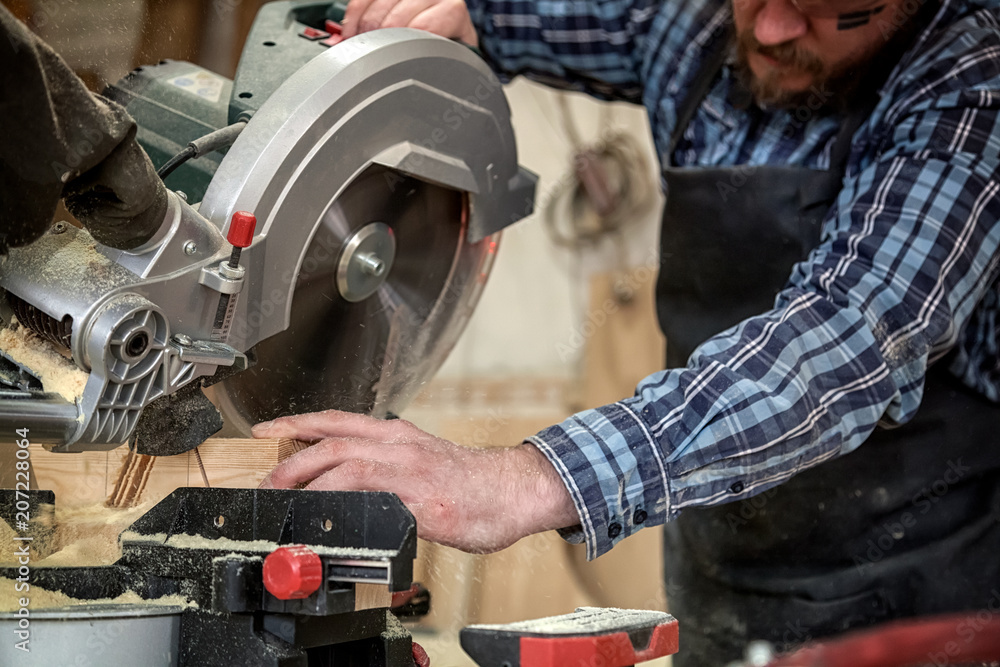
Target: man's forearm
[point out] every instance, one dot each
(476, 499)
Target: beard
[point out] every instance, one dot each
(832, 89)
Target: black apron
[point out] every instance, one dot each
(908, 524)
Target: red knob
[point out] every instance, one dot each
(420, 657)
(292, 572)
(241, 229)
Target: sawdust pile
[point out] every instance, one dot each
(75, 537)
(44, 599)
(39, 546)
(185, 541)
(80, 536)
(88, 535)
(58, 374)
(7, 544)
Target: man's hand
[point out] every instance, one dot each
(447, 18)
(478, 500)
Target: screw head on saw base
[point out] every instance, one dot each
(292, 572)
(365, 261)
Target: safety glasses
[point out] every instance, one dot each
(849, 13)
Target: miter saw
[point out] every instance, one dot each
(333, 213)
(328, 258)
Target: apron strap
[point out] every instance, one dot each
(710, 68)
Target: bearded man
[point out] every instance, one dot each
(829, 292)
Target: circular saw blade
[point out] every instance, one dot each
(357, 356)
(373, 109)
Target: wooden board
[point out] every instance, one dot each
(89, 477)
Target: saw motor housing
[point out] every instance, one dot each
(399, 108)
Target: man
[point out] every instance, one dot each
(829, 266)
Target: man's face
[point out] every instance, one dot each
(790, 50)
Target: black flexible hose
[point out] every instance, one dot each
(212, 141)
(176, 161)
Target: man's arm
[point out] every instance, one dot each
(908, 251)
(479, 500)
(595, 47)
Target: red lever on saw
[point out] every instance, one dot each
(240, 235)
(588, 636)
(241, 228)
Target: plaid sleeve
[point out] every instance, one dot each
(909, 251)
(595, 46)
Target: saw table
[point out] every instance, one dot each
(268, 578)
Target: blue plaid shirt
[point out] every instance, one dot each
(906, 271)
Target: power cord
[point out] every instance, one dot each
(221, 138)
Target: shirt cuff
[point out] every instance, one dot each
(614, 471)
